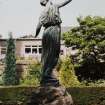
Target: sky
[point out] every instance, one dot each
(21, 16)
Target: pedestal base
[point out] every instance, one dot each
(50, 96)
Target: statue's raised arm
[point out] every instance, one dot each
(38, 28)
(63, 3)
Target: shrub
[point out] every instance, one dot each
(67, 75)
(98, 83)
(1, 80)
(33, 76)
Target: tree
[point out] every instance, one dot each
(89, 38)
(10, 73)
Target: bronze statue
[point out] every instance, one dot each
(51, 21)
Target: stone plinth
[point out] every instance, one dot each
(50, 96)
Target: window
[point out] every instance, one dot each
(40, 50)
(61, 52)
(34, 50)
(34, 46)
(3, 50)
(40, 46)
(27, 50)
(27, 46)
(74, 48)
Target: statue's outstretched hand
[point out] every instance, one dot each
(64, 3)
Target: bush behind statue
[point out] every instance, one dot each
(67, 75)
(33, 76)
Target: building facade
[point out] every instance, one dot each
(28, 48)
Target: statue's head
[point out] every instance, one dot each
(43, 2)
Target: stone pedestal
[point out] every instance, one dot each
(50, 95)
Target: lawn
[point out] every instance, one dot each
(19, 95)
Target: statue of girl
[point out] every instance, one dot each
(51, 21)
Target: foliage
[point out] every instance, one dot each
(10, 74)
(1, 80)
(67, 75)
(33, 76)
(98, 83)
(89, 38)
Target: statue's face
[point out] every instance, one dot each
(43, 2)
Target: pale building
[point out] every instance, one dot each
(28, 48)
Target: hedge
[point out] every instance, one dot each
(19, 95)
